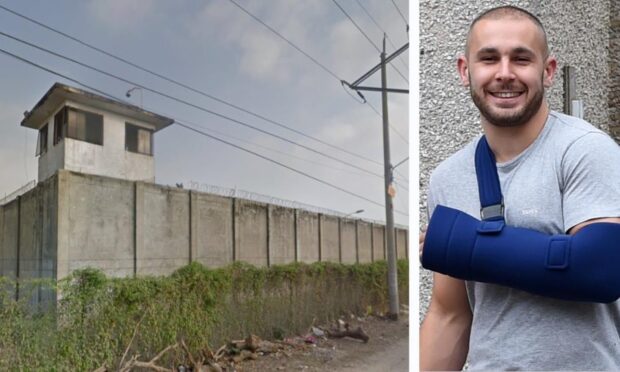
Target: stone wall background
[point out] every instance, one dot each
(614, 69)
(579, 35)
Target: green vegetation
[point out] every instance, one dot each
(98, 317)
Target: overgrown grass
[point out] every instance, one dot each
(96, 318)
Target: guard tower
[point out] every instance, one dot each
(87, 133)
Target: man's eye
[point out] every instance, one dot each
(522, 60)
(488, 59)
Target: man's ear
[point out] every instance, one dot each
(551, 66)
(463, 68)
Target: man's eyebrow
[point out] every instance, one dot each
(523, 50)
(487, 50)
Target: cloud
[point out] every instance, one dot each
(262, 58)
(122, 15)
(263, 55)
(17, 160)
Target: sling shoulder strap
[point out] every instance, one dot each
(489, 190)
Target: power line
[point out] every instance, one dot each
(401, 15)
(265, 147)
(286, 40)
(239, 122)
(90, 46)
(366, 36)
(404, 179)
(391, 126)
(382, 30)
(213, 137)
(286, 166)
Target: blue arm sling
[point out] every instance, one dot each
(580, 267)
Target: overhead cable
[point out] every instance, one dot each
(213, 137)
(286, 40)
(170, 80)
(367, 38)
(383, 31)
(401, 15)
(238, 122)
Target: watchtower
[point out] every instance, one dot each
(84, 132)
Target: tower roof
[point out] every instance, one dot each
(59, 93)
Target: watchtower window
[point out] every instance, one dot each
(42, 141)
(138, 139)
(79, 125)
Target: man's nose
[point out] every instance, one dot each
(504, 70)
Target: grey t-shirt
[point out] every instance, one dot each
(569, 174)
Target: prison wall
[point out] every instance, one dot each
(126, 228)
(28, 226)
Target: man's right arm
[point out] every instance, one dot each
(444, 334)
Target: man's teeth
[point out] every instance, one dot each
(506, 94)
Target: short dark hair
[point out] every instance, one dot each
(508, 11)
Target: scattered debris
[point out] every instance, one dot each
(357, 333)
(135, 363)
(229, 356)
(318, 332)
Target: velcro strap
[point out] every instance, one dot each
(491, 227)
(558, 253)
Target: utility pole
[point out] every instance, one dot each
(388, 169)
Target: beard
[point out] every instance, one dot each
(516, 118)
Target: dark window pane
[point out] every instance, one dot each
(42, 141)
(59, 125)
(131, 138)
(138, 139)
(85, 126)
(94, 128)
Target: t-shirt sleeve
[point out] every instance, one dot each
(430, 199)
(591, 179)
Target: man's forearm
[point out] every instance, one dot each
(444, 341)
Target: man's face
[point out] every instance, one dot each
(506, 70)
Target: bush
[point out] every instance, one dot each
(97, 318)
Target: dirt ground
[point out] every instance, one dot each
(386, 350)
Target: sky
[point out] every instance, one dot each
(216, 48)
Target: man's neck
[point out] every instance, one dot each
(508, 142)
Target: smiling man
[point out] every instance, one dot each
(558, 175)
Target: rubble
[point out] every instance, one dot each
(231, 356)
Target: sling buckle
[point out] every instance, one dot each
(492, 211)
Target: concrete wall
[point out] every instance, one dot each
(308, 236)
(73, 221)
(364, 242)
(578, 34)
(378, 243)
(98, 214)
(348, 241)
(282, 241)
(9, 228)
(251, 238)
(165, 229)
(400, 241)
(212, 229)
(28, 239)
(330, 238)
